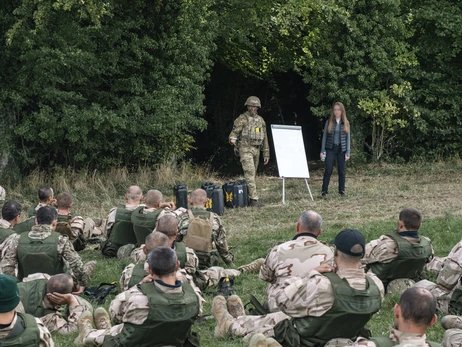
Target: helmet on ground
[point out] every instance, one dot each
(398, 286)
(253, 101)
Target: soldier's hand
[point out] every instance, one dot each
(232, 140)
(147, 279)
(169, 204)
(80, 290)
(324, 268)
(266, 161)
(62, 299)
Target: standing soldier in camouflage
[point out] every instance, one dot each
(210, 235)
(328, 303)
(401, 254)
(19, 329)
(295, 257)
(250, 137)
(44, 250)
(11, 215)
(159, 312)
(48, 297)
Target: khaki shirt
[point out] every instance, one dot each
(290, 259)
(132, 306)
(218, 233)
(312, 293)
(65, 249)
(399, 337)
(45, 336)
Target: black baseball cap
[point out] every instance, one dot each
(347, 239)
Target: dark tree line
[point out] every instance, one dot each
(104, 83)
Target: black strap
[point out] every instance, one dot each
(18, 328)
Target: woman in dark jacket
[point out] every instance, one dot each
(336, 146)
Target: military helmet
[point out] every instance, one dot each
(398, 286)
(252, 101)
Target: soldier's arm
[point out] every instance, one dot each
(451, 272)
(237, 127)
(10, 257)
(126, 276)
(74, 261)
(267, 270)
(312, 294)
(44, 334)
(184, 277)
(57, 323)
(192, 261)
(382, 250)
(117, 307)
(220, 241)
(77, 226)
(110, 220)
(265, 148)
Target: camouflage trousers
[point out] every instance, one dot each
(96, 337)
(248, 326)
(250, 157)
(435, 265)
(441, 294)
(215, 273)
(452, 338)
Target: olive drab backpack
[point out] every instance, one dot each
(199, 235)
(64, 228)
(25, 333)
(32, 294)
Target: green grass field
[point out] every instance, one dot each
(375, 195)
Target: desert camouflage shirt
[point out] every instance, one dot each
(59, 321)
(65, 250)
(132, 306)
(385, 250)
(218, 233)
(112, 215)
(191, 265)
(312, 294)
(398, 337)
(45, 336)
(181, 275)
(293, 258)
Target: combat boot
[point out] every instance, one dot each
(451, 322)
(253, 267)
(85, 325)
(235, 306)
(223, 318)
(102, 320)
(255, 203)
(270, 342)
(258, 340)
(89, 267)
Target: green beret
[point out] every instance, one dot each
(9, 293)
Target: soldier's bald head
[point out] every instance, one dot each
(153, 198)
(61, 283)
(168, 225)
(198, 197)
(134, 194)
(156, 239)
(310, 222)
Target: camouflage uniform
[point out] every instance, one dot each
(129, 307)
(398, 337)
(211, 275)
(292, 258)
(45, 336)
(249, 148)
(448, 278)
(110, 220)
(452, 338)
(191, 265)
(218, 233)
(56, 321)
(82, 227)
(64, 248)
(4, 224)
(297, 296)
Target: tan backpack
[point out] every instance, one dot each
(199, 235)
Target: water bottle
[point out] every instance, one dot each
(323, 156)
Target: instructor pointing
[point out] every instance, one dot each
(249, 136)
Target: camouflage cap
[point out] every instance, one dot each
(253, 101)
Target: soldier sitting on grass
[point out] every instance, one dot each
(293, 258)
(159, 312)
(46, 198)
(401, 254)
(11, 215)
(47, 297)
(16, 328)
